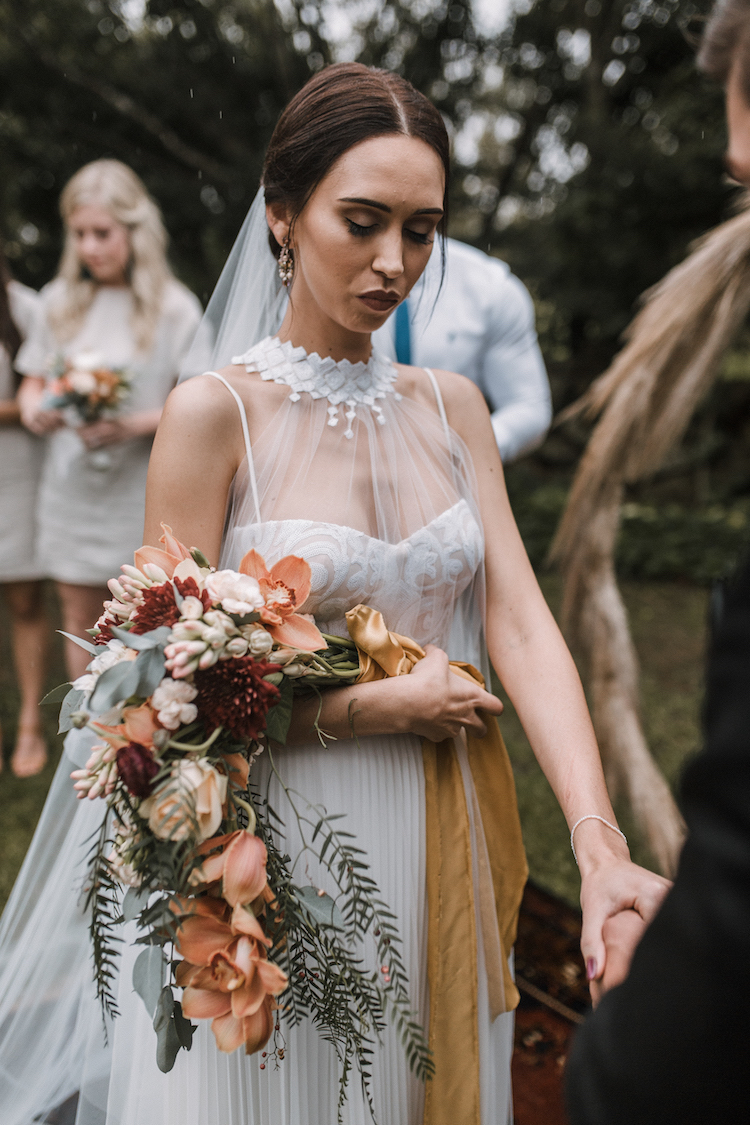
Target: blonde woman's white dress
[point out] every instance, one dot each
(20, 462)
(91, 517)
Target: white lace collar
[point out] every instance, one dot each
(353, 384)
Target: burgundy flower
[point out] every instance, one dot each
(137, 768)
(233, 694)
(158, 608)
(188, 587)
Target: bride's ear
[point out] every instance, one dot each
(278, 219)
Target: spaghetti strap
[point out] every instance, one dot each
(440, 406)
(246, 435)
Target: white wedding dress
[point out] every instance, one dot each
(385, 514)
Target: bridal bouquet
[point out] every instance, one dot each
(85, 390)
(194, 672)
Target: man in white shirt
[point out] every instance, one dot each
(480, 323)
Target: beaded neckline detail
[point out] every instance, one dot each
(343, 383)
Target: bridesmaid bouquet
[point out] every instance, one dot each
(194, 672)
(85, 390)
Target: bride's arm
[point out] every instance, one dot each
(197, 449)
(537, 670)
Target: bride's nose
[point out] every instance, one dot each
(389, 256)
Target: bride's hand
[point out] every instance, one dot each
(611, 883)
(440, 703)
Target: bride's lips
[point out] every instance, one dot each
(379, 300)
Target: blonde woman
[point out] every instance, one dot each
(20, 573)
(114, 299)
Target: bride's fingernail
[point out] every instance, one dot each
(590, 968)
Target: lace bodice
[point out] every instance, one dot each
(415, 583)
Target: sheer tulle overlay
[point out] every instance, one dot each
(382, 505)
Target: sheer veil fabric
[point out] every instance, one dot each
(357, 471)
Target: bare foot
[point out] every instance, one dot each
(30, 753)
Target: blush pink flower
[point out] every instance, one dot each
(285, 589)
(241, 866)
(168, 559)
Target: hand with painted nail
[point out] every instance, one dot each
(621, 933)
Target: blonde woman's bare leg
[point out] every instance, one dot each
(30, 637)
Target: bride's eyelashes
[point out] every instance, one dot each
(360, 231)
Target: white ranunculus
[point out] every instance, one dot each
(172, 701)
(238, 593)
(82, 382)
(114, 652)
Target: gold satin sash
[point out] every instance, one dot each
(466, 846)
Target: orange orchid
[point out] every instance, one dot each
(139, 724)
(241, 866)
(173, 554)
(226, 974)
(285, 589)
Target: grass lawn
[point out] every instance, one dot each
(668, 622)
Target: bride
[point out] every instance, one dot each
(387, 480)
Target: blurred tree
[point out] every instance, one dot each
(592, 154)
(185, 91)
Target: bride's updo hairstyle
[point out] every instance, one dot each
(338, 108)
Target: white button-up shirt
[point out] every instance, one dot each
(481, 324)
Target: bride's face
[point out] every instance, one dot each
(366, 234)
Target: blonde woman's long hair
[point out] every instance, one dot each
(115, 187)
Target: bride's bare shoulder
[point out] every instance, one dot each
(462, 398)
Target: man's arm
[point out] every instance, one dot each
(513, 376)
(670, 1046)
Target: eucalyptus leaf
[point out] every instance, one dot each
(142, 641)
(321, 907)
(280, 715)
(117, 683)
(167, 1040)
(134, 902)
(177, 596)
(148, 975)
(57, 694)
(81, 643)
(70, 705)
(184, 1028)
(151, 671)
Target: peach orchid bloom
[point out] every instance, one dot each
(241, 866)
(169, 559)
(226, 975)
(139, 724)
(285, 588)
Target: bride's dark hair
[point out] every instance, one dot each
(338, 108)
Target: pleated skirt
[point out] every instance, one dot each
(378, 785)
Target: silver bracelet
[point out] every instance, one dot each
(593, 816)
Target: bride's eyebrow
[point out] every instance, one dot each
(386, 208)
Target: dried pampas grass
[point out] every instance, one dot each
(644, 402)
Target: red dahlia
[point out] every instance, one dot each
(137, 768)
(233, 694)
(158, 608)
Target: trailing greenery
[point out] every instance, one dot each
(102, 901)
(318, 942)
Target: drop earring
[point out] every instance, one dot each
(286, 264)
